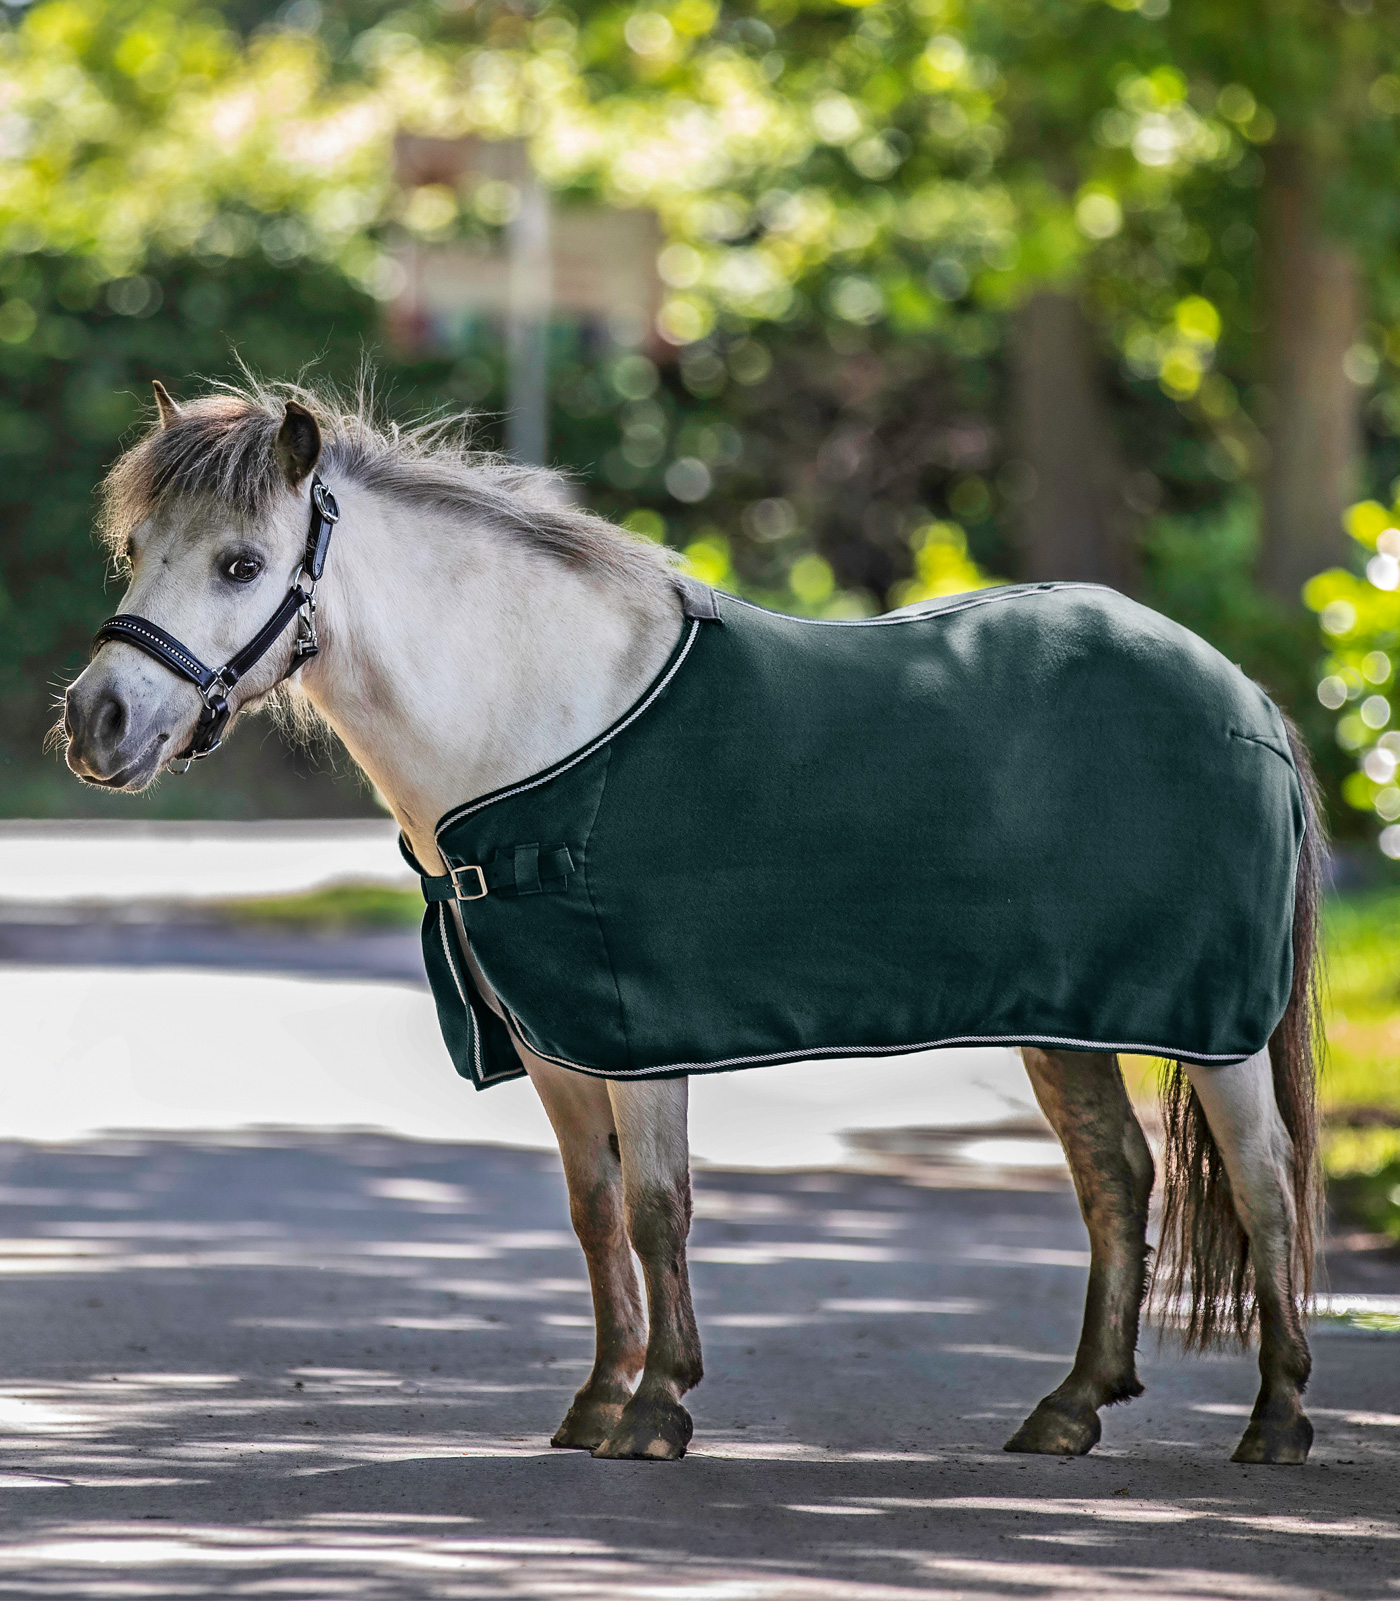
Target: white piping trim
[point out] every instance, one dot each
(833, 1052)
(979, 597)
(462, 995)
(573, 761)
(447, 952)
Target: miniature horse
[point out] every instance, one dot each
(475, 628)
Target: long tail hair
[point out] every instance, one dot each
(1203, 1276)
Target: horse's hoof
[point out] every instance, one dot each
(1284, 1444)
(586, 1425)
(1057, 1428)
(653, 1428)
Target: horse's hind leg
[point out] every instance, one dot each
(1082, 1094)
(1244, 1118)
(651, 1128)
(581, 1113)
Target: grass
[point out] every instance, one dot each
(1363, 1010)
(337, 909)
(1361, 1085)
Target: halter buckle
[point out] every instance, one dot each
(325, 502)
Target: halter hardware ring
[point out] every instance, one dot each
(307, 642)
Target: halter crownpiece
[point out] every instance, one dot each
(214, 684)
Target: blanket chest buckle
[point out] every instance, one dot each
(460, 888)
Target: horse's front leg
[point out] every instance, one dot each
(582, 1116)
(1082, 1094)
(651, 1130)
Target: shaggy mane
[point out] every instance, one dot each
(220, 448)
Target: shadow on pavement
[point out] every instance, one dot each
(326, 1366)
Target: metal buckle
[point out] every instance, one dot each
(306, 642)
(325, 502)
(461, 895)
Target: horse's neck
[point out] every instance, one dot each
(456, 661)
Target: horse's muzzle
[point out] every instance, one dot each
(110, 742)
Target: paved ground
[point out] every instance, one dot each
(318, 1366)
(324, 1365)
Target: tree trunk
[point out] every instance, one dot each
(1074, 522)
(1311, 299)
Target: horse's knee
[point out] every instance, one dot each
(658, 1221)
(1084, 1097)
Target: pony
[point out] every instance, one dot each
(473, 627)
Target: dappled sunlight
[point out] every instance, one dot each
(330, 1364)
(983, 1578)
(1010, 1353)
(1026, 1256)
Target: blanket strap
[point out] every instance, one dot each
(516, 870)
(697, 599)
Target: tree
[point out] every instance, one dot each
(166, 194)
(1313, 84)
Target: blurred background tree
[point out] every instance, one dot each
(1035, 288)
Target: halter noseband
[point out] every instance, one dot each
(214, 686)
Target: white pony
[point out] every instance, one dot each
(475, 629)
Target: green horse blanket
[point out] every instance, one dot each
(1035, 815)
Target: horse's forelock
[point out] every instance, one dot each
(217, 448)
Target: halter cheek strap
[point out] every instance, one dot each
(214, 684)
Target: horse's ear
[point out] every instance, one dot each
(167, 408)
(298, 443)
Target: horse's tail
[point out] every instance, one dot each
(1203, 1275)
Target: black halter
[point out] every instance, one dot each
(299, 602)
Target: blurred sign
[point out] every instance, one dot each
(600, 267)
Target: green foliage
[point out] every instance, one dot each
(73, 387)
(1199, 570)
(855, 198)
(1360, 618)
(1363, 975)
(1361, 1084)
(1363, 1177)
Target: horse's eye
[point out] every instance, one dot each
(243, 569)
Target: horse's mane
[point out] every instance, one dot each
(220, 447)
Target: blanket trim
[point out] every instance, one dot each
(981, 597)
(830, 1053)
(658, 687)
(467, 1006)
(940, 606)
(480, 1078)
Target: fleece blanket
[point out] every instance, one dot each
(1029, 815)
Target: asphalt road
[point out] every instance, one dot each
(394, 955)
(322, 1366)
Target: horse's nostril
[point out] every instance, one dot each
(110, 723)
